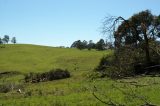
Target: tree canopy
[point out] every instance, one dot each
(141, 28)
(6, 39)
(100, 45)
(136, 43)
(13, 40)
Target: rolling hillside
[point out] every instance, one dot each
(32, 58)
(77, 90)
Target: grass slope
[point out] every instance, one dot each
(31, 58)
(74, 91)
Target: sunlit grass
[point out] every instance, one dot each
(76, 90)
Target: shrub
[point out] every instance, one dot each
(9, 73)
(53, 74)
(5, 88)
(28, 93)
(108, 67)
(104, 62)
(128, 61)
(58, 74)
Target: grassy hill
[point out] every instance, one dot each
(31, 58)
(74, 91)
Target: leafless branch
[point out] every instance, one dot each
(134, 95)
(109, 102)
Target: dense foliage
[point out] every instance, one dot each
(6, 39)
(137, 48)
(100, 45)
(53, 74)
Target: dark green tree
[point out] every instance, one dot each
(1, 42)
(6, 39)
(75, 44)
(85, 44)
(13, 40)
(135, 30)
(136, 46)
(100, 45)
(91, 45)
(141, 28)
(78, 44)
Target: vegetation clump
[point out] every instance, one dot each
(136, 46)
(8, 73)
(100, 45)
(53, 74)
(7, 87)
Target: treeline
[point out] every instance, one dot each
(6, 39)
(100, 45)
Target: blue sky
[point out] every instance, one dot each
(60, 22)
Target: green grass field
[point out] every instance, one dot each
(74, 91)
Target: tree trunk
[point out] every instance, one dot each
(148, 59)
(144, 28)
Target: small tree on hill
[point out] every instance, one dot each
(6, 39)
(79, 45)
(84, 43)
(14, 40)
(100, 45)
(1, 42)
(91, 45)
